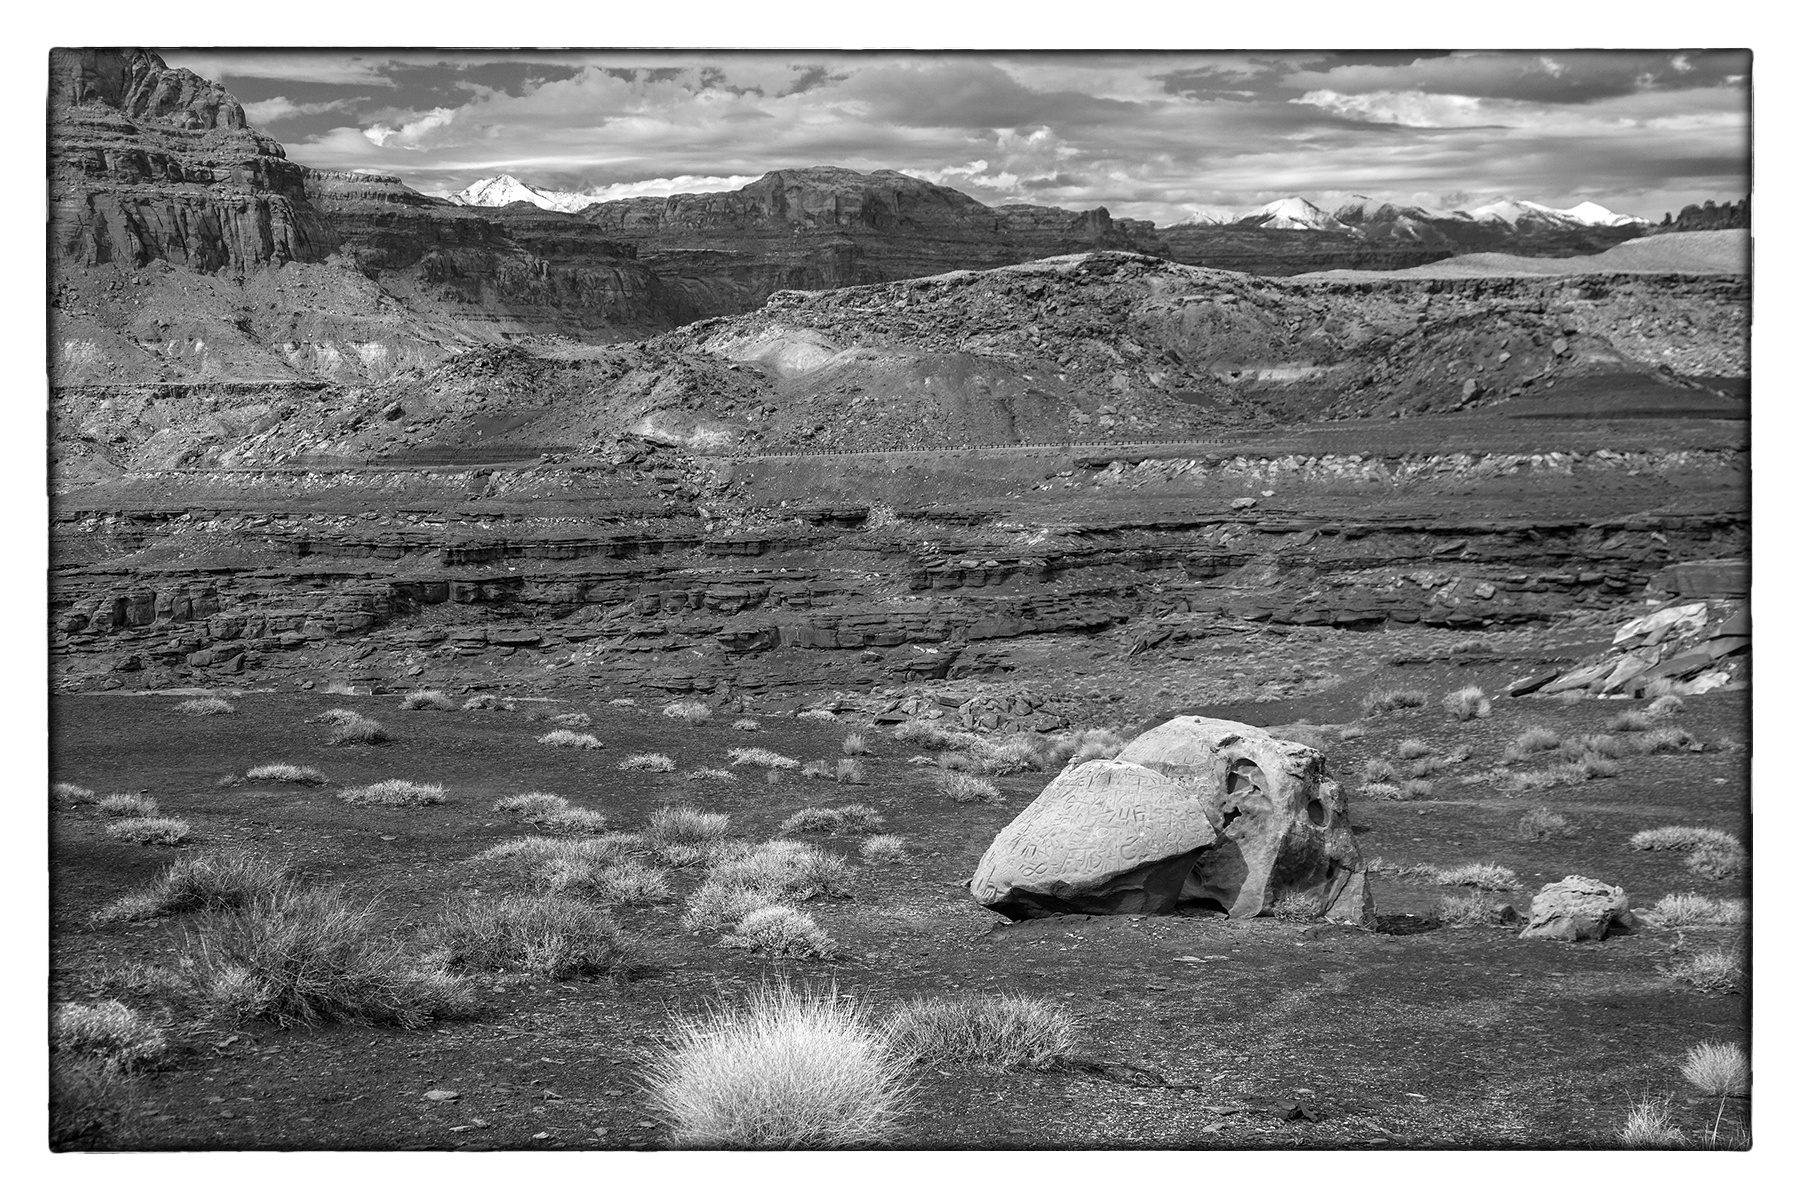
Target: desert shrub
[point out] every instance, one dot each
(1542, 824)
(1604, 745)
(1467, 703)
(1484, 877)
(632, 885)
(206, 706)
(777, 931)
(931, 735)
(429, 698)
(1665, 705)
(756, 756)
(1716, 861)
(855, 744)
(223, 879)
(717, 903)
(686, 826)
(109, 1032)
(358, 731)
(1676, 911)
(307, 955)
(124, 804)
(961, 760)
(1466, 911)
(1414, 789)
(784, 1070)
(149, 831)
(1410, 749)
(1648, 1124)
(965, 789)
(334, 716)
(746, 724)
(1379, 702)
(883, 847)
(1008, 1032)
(286, 773)
(1718, 1069)
(92, 1106)
(485, 702)
(816, 714)
(1707, 971)
(816, 769)
(1665, 739)
(1547, 777)
(395, 793)
(787, 871)
(570, 740)
(848, 770)
(572, 720)
(1380, 791)
(710, 775)
(1095, 744)
(1682, 837)
(536, 854)
(859, 818)
(1377, 770)
(691, 712)
(1631, 721)
(1350, 733)
(1298, 907)
(1536, 740)
(70, 793)
(533, 806)
(647, 762)
(555, 936)
(1596, 766)
(574, 820)
(812, 820)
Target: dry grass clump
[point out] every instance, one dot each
(1542, 824)
(782, 1071)
(574, 820)
(70, 793)
(622, 702)
(756, 756)
(555, 936)
(816, 769)
(1474, 646)
(1707, 971)
(710, 775)
(1718, 1069)
(286, 773)
(1377, 770)
(849, 770)
(1634, 720)
(965, 789)
(1466, 911)
(572, 720)
(1665, 739)
(777, 931)
(1648, 1125)
(486, 702)
(627, 883)
(149, 831)
(1484, 877)
(1535, 740)
(1682, 837)
(301, 956)
(1716, 861)
(933, 735)
(816, 714)
(395, 793)
(773, 873)
(883, 847)
(1380, 791)
(1092, 744)
(647, 762)
(855, 745)
(427, 698)
(334, 716)
(1414, 789)
(357, 731)
(206, 706)
(851, 818)
(220, 880)
(533, 806)
(1665, 704)
(1679, 910)
(93, 1106)
(570, 740)
(1377, 703)
(686, 826)
(1006, 1032)
(715, 904)
(1467, 703)
(1547, 777)
(109, 1032)
(127, 804)
(1298, 907)
(536, 854)
(691, 712)
(746, 724)
(1410, 749)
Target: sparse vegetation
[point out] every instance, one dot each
(357, 731)
(574, 820)
(883, 847)
(1377, 770)
(149, 831)
(1631, 721)
(93, 1106)
(1648, 1125)
(1484, 877)
(395, 793)
(1380, 791)
(485, 702)
(1377, 703)
(746, 724)
(1718, 1069)
(848, 770)
(216, 881)
(1542, 824)
(1299, 908)
(108, 1032)
(710, 775)
(690, 712)
(1677, 911)
(852, 818)
(717, 903)
(1665, 739)
(777, 931)
(965, 789)
(816, 769)
(533, 806)
(427, 699)
(568, 739)
(756, 756)
(785, 872)
(206, 706)
(1006, 1032)
(1471, 647)
(127, 804)
(1411, 749)
(1682, 837)
(1716, 861)
(622, 702)
(933, 735)
(1464, 911)
(647, 762)
(855, 744)
(1467, 703)
(816, 714)
(686, 826)
(286, 773)
(1415, 789)
(1707, 971)
(784, 1070)
(1665, 706)
(1535, 740)
(555, 936)
(1091, 745)
(70, 793)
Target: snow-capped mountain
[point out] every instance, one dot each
(1290, 212)
(502, 190)
(1525, 213)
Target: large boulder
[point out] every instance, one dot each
(1576, 908)
(1197, 813)
(1103, 837)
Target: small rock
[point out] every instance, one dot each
(438, 1095)
(540, 1136)
(1243, 502)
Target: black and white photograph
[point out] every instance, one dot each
(650, 599)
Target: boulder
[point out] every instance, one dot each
(1194, 814)
(1102, 837)
(1576, 908)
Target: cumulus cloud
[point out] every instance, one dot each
(280, 108)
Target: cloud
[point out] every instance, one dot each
(415, 134)
(280, 108)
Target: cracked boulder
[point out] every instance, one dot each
(1577, 909)
(1195, 814)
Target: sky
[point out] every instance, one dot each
(1158, 136)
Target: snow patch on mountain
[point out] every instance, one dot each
(502, 190)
